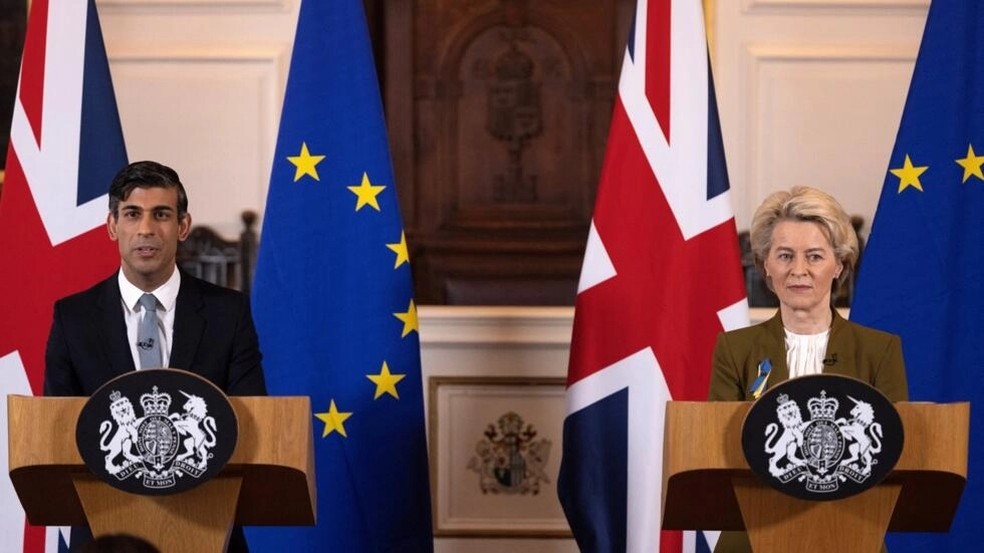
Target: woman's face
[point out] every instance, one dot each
(802, 266)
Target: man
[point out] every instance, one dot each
(102, 332)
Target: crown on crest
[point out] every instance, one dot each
(787, 406)
(156, 403)
(823, 408)
(116, 398)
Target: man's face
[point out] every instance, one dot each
(147, 230)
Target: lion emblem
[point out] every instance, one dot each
(124, 440)
(791, 439)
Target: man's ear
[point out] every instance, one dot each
(184, 227)
(111, 227)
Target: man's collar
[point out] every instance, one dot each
(166, 294)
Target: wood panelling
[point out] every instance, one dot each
(499, 112)
(13, 22)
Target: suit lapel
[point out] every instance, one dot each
(775, 348)
(112, 327)
(838, 346)
(189, 324)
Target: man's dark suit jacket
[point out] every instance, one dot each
(852, 350)
(213, 337)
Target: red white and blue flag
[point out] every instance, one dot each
(66, 144)
(661, 278)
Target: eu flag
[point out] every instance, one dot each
(333, 298)
(922, 275)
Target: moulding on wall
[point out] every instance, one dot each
(467, 325)
(453, 325)
(756, 59)
(258, 72)
(131, 53)
(130, 5)
(882, 7)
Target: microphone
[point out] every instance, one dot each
(831, 360)
(149, 343)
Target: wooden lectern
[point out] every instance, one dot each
(268, 481)
(707, 484)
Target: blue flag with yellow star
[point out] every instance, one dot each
(922, 274)
(333, 299)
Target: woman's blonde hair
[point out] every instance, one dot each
(803, 203)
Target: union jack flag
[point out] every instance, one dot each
(66, 144)
(661, 278)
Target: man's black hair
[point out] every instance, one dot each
(145, 174)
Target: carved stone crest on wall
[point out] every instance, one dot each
(498, 149)
(514, 117)
(508, 140)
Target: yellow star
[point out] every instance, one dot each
(305, 163)
(334, 420)
(409, 320)
(385, 382)
(367, 193)
(909, 175)
(402, 255)
(971, 164)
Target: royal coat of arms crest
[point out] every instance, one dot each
(160, 446)
(131, 435)
(817, 456)
(814, 450)
(509, 459)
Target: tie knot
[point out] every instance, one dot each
(148, 302)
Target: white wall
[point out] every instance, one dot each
(200, 86)
(811, 92)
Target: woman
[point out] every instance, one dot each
(804, 244)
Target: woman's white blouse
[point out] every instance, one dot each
(805, 352)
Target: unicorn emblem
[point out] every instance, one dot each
(199, 428)
(865, 434)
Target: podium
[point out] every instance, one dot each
(268, 481)
(707, 484)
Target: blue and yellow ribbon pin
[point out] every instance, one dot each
(764, 370)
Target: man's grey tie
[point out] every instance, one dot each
(148, 336)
